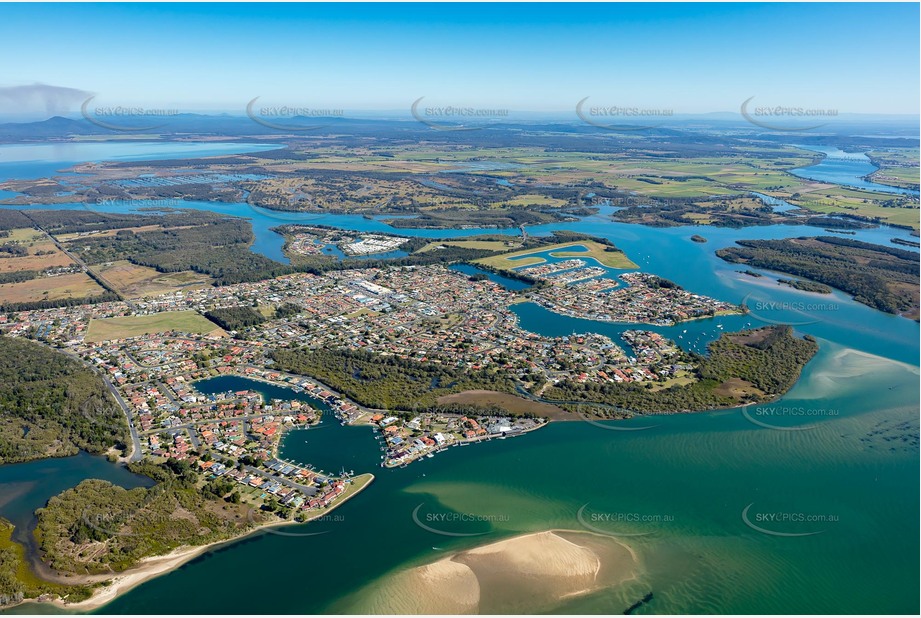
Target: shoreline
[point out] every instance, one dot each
(465, 441)
(155, 566)
(533, 571)
(571, 314)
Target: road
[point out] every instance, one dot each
(308, 491)
(77, 260)
(136, 453)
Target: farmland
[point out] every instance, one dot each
(40, 252)
(135, 281)
(67, 286)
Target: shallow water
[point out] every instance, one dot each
(683, 485)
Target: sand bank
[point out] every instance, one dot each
(524, 574)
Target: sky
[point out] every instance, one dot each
(686, 58)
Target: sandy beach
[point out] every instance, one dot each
(154, 566)
(525, 574)
(147, 570)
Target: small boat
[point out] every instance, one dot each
(429, 456)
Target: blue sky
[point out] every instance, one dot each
(690, 58)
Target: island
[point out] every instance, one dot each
(806, 286)
(884, 278)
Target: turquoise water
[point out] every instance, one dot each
(270, 243)
(853, 457)
(701, 470)
(27, 486)
(777, 204)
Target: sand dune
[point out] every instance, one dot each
(524, 574)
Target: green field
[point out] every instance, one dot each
(849, 201)
(489, 245)
(532, 198)
(579, 249)
(135, 326)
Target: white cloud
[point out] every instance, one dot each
(39, 101)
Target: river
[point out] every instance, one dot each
(846, 168)
(695, 486)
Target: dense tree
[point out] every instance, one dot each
(885, 278)
(52, 405)
(387, 382)
(765, 362)
(235, 318)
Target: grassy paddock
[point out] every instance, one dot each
(74, 285)
(135, 326)
(489, 245)
(139, 281)
(579, 248)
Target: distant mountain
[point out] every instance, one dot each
(850, 129)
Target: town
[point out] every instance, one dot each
(155, 354)
(640, 298)
(307, 240)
